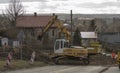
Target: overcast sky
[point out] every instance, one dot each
(64, 6)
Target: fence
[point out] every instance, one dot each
(110, 46)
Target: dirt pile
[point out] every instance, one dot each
(101, 60)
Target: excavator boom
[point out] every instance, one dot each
(45, 29)
(59, 25)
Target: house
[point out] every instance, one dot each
(110, 40)
(110, 37)
(11, 35)
(32, 26)
(86, 24)
(3, 41)
(88, 37)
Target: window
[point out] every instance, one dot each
(32, 32)
(61, 44)
(57, 45)
(66, 44)
(53, 32)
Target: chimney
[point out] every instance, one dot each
(35, 14)
(55, 15)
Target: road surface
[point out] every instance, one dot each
(68, 69)
(112, 70)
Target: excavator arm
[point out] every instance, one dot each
(59, 25)
(63, 29)
(45, 29)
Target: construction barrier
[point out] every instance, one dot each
(9, 58)
(32, 57)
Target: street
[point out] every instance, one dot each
(112, 70)
(68, 69)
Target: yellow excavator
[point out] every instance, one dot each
(118, 59)
(63, 52)
(95, 48)
(59, 25)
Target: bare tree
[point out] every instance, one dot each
(3, 23)
(14, 10)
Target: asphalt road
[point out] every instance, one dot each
(68, 69)
(112, 70)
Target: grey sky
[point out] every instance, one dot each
(4, 1)
(7, 1)
(64, 6)
(99, 5)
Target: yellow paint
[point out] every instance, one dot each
(118, 58)
(75, 52)
(97, 49)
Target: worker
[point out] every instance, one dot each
(113, 56)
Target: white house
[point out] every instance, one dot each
(4, 41)
(88, 37)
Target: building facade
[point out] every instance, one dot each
(32, 27)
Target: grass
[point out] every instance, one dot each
(20, 64)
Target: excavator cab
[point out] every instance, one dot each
(60, 44)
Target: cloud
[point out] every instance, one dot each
(99, 5)
(4, 1)
(60, 0)
(109, 10)
(48, 5)
(35, 0)
(7, 1)
(3, 7)
(64, 6)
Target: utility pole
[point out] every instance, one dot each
(71, 15)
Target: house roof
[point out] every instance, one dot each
(86, 19)
(88, 35)
(33, 21)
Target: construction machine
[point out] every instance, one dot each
(94, 48)
(63, 52)
(118, 59)
(59, 25)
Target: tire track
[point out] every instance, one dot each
(105, 69)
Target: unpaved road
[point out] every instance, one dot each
(66, 69)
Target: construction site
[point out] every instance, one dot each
(58, 43)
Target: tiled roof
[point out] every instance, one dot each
(33, 21)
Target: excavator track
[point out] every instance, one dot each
(71, 61)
